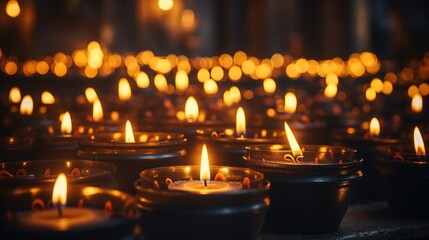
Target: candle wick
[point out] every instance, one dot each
(60, 211)
(205, 183)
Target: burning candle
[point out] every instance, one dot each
(205, 185)
(62, 218)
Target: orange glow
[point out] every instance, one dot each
(217, 73)
(290, 103)
(188, 19)
(124, 90)
(210, 87)
(142, 80)
(296, 149)
(293, 71)
(80, 58)
(129, 134)
(417, 103)
(235, 73)
(90, 95)
(191, 109)
(60, 69)
(47, 98)
(205, 165)
(160, 83)
(330, 91)
(203, 75)
(59, 194)
(12, 8)
(331, 79)
(370, 94)
(374, 127)
(165, 5)
(66, 124)
(42, 67)
(235, 94)
(240, 123)
(248, 67)
(269, 85)
(227, 98)
(14, 95)
(418, 142)
(181, 81)
(26, 107)
(10, 67)
(97, 111)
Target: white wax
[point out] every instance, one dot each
(72, 218)
(198, 186)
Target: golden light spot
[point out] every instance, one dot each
(263, 71)
(160, 83)
(407, 74)
(227, 100)
(42, 67)
(412, 90)
(217, 73)
(278, 60)
(12, 8)
(26, 107)
(124, 90)
(370, 94)
(387, 87)
(240, 57)
(210, 87)
(248, 67)
(417, 103)
(142, 80)
(377, 85)
(424, 89)
(269, 85)
(203, 75)
(226, 61)
(293, 71)
(290, 103)
(235, 73)
(90, 95)
(60, 69)
(235, 94)
(331, 79)
(163, 66)
(165, 5)
(14, 95)
(47, 98)
(302, 64)
(355, 67)
(181, 81)
(80, 58)
(330, 91)
(11, 67)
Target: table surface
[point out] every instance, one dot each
(367, 221)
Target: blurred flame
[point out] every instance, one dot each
(14, 95)
(331, 90)
(90, 95)
(26, 107)
(290, 103)
(129, 134)
(124, 90)
(417, 103)
(165, 5)
(181, 81)
(47, 98)
(240, 123)
(97, 111)
(191, 109)
(205, 166)
(66, 124)
(374, 127)
(418, 142)
(296, 150)
(59, 194)
(12, 8)
(269, 85)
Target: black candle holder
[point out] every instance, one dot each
(55, 147)
(405, 179)
(310, 194)
(151, 149)
(40, 173)
(120, 207)
(170, 214)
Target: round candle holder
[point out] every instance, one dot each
(310, 194)
(231, 215)
(120, 207)
(227, 149)
(55, 147)
(151, 149)
(15, 148)
(405, 179)
(38, 173)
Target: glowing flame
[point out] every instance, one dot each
(191, 109)
(417, 103)
(227, 100)
(181, 81)
(59, 194)
(47, 98)
(165, 5)
(419, 145)
(290, 103)
(97, 111)
(205, 166)
(91, 95)
(66, 124)
(124, 90)
(26, 107)
(240, 123)
(14, 95)
(129, 134)
(374, 127)
(269, 85)
(12, 8)
(331, 91)
(296, 150)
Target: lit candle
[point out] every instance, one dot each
(61, 218)
(419, 145)
(205, 185)
(191, 110)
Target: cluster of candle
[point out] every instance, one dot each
(156, 131)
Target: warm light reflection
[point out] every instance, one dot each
(66, 124)
(59, 194)
(417, 103)
(47, 98)
(160, 83)
(181, 81)
(191, 110)
(235, 94)
(374, 127)
(240, 123)
(205, 165)
(90, 95)
(142, 80)
(290, 103)
(97, 111)
(129, 134)
(14, 95)
(269, 85)
(296, 150)
(165, 5)
(12, 8)
(210, 87)
(124, 90)
(26, 107)
(418, 142)
(330, 91)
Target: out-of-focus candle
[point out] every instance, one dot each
(418, 142)
(97, 111)
(124, 90)
(14, 95)
(417, 103)
(290, 103)
(129, 134)
(374, 127)
(66, 124)
(191, 110)
(240, 123)
(26, 107)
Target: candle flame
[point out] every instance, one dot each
(124, 90)
(181, 81)
(59, 194)
(374, 127)
(129, 134)
(90, 95)
(14, 95)
(47, 98)
(419, 145)
(191, 109)
(97, 111)
(165, 5)
(290, 103)
(417, 103)
(26, 107)
(296, 150)
(227, 99)
(205, 166)
(240, 123)
(66, 124)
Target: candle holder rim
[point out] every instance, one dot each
(87, 141)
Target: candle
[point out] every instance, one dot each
(61, 218)
(204, 185)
